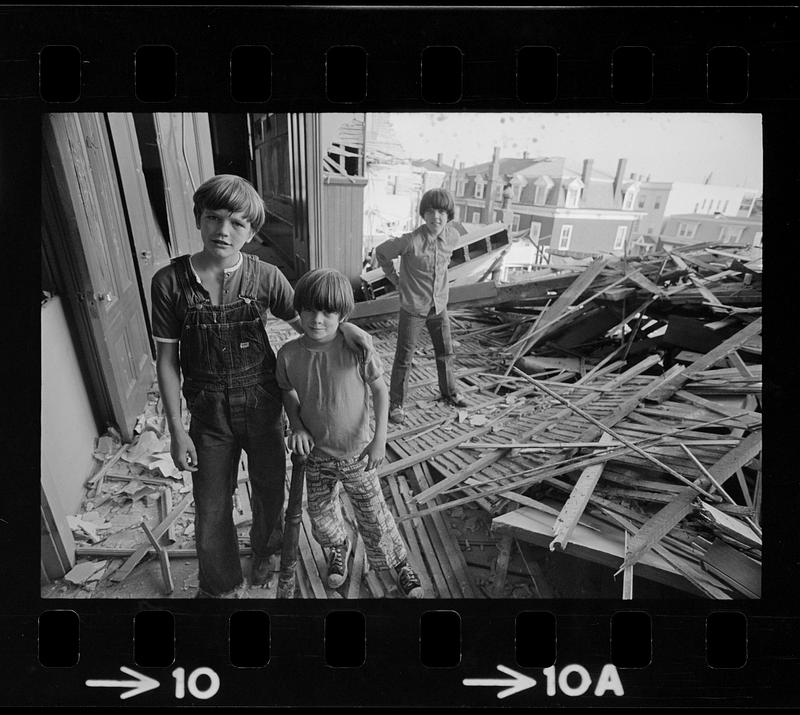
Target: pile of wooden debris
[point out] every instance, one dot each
(614, 413)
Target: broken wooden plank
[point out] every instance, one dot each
(357, 572)
(604, 546)
(448, 541)
(575, 505)
(123, 571)
(732, 526)
(627, 575)
(705, 362)
(608, 430)
(658, 525)
(737, 570)
(501, 564)
(163, 559)
(442, 587)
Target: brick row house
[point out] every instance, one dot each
(562, 209)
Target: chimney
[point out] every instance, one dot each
(524, 154)
(621, 166)
(439, 159)
(587, 171)
(496, 155)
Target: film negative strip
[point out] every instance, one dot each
(112, 118)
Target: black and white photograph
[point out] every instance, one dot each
(401, 355)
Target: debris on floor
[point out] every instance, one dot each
(612, 428)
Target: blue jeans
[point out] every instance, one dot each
(408, 331)
(223, 423)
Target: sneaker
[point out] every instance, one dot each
(409, 582)
(455, 400)
(337, 564)
(397, 414)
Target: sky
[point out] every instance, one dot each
(665, 146)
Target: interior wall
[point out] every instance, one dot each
(68, 426)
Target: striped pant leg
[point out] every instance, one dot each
(382, 540)
(324, 505)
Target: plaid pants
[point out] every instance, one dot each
(382, 540)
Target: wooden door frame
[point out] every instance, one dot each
(59, 243)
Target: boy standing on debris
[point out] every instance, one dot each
(422, 283)
(209, 310)
(326, 392)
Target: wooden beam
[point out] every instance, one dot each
(722, 350)
(402, 464)
(661, 523)
(501, 564)
(123, 571)
(163, 559)
(575, 505)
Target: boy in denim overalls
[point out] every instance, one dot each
(208, 321)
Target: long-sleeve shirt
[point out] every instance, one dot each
(422, 282)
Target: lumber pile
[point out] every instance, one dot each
(614, 413)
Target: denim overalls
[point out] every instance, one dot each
(229, 384)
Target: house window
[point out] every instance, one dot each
(725, 207)
(719, 204)
(457, 212)
(460, 187)
(535, 230)
(747, 204)
(627, 202)
(391, 184)
(541, 195)
(657, 204)
(619, 240)
(573, 194)
(479, 185)
(649, 231)
(730, 234)
(515, 223)
(757, 240)
(476, 217)
(687, 230)
(642, 202)
(703, 205)
(516, 192)
(696, 207)
(497, 192)
(564, 237)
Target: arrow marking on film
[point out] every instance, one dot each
(141, 684)
(518, 683)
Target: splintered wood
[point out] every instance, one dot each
(613, 414)
(619, 438)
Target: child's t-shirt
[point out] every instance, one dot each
(332, 384)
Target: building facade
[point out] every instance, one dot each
(561, 208)
(660, 200)
(686, 229)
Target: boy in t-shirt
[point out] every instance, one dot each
(209, 310)
(326, 390)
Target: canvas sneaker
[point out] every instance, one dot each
(337, 564)
(397, 414)
(409, 582)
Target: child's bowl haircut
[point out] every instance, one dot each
(324, 289)
(231, 193)
(440, 199)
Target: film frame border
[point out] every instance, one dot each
(772, 621)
